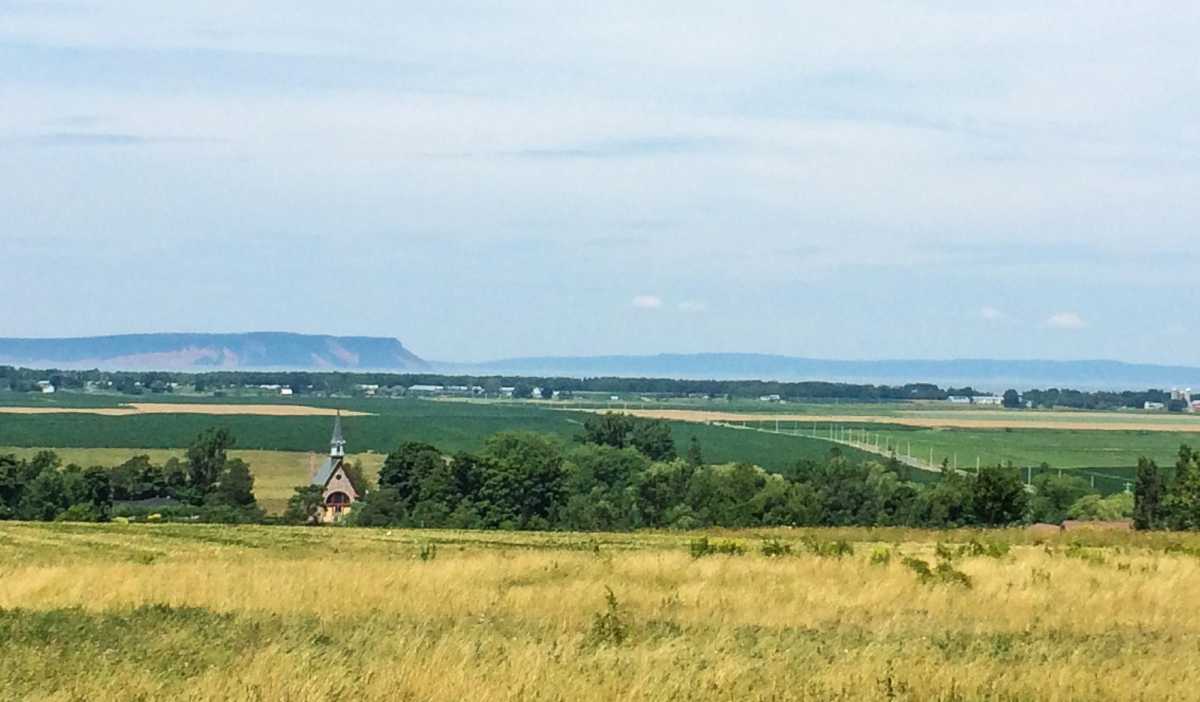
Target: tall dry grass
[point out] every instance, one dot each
(196, 612)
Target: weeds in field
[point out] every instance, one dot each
(702, 547)
(828, 549)
(427, 552)
(943, 573)
(610, 627)
(881, 556)
(774, 548)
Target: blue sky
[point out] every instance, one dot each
(484, 180)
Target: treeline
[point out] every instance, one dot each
(1099, 400)
(207, 486)
(341, 383)
(624, 473)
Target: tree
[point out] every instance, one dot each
(1182, 500)
(44, 497)
(206, 459)
(305, 505)
(1147, 496)
(1054, 496)
(653, 438)
(608, 429)
(235, 487)
(404, 468)
(998, 496)
(1012, 399)
(1096, 508)
(524, 483)
(695, 457)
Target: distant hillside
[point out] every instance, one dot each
(201, 352)
(982, 373)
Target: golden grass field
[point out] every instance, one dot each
(963, 419)
(200, 612)
(276, 473)
(135, 408)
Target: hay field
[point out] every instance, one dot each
(223, 410)
(269, 613)
(1093, 421)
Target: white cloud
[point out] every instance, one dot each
(647, 302)
(692, 306)
(991, 314)
(1065, 320)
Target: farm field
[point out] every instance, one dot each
(216, 409)
(379, 427)
(213, 612)
(1068, 421)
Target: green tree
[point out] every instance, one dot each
(1148, 496)
(1011, 399)
(695, 457)
(525, 483)
(405, 468)
(206, 459)
(1096, 508)
(1054, 496)
(235, 488)
(653, 438)
(305, 505)
(998, 496)
(44, 498)
(1182, 501)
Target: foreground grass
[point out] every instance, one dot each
(209, 612)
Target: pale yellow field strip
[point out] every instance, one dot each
(1096, 423)
(169, 408)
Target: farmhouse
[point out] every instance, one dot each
(338, 490)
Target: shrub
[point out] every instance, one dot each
(774, 548)
(943, 573)
(829, 549)
(882, 555)
(703, 547)
(609, 628)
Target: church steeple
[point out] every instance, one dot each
(337, 445)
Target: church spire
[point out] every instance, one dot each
(337, 445)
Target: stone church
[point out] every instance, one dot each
(338, 489)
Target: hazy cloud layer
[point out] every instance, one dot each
(484, 180)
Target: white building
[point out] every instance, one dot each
(1154, 406)
(988, 400)
(959, 399)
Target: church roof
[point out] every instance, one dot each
(337, 430)
(325, 472)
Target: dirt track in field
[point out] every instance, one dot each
(1017, 422)
(137, 408)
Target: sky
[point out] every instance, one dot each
(482, 180)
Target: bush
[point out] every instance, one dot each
(942, 574)
(828, 549)
(609, 628)
(775, 548)
(882, 555)
(702, 547)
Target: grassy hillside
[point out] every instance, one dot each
(213, 613)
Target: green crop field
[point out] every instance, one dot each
(1061, 448)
